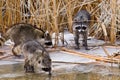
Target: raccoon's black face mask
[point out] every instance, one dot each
(81, 28)
(48, 39)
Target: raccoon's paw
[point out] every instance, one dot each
(29, 69)
(77, 48)
(87, 48)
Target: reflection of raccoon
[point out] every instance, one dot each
(36, 55)
(22, 32)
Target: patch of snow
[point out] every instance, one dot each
(7, 62)
(11, 75)
(9, 42)
(59, 56)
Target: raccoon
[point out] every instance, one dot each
(36, 55)
(81, 23)
(22, 32)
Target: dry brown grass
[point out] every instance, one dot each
(54, 15)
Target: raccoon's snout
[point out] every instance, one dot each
(46, 69)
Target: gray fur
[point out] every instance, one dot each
(36, 54)
(22, 32)
(80, 26)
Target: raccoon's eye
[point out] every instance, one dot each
(39, 62)
(78, 27)
(84, 27)
(43, 36)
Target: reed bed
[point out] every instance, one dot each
(55, 15)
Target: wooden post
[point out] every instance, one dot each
(113, 23)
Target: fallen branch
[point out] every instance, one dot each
(66, 62)
(106, 51)
(95, 57)
(2, 52)
(3, 57)
(116, 47)
(69, 62)
(52, 49)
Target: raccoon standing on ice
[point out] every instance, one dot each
(36, 55)
(22, 32)
(81, 23)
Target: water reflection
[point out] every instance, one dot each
(71, 76)
(16, 72)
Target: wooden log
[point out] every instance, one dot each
(3, 57)
(89, 56)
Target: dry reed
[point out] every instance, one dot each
(55, 15)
